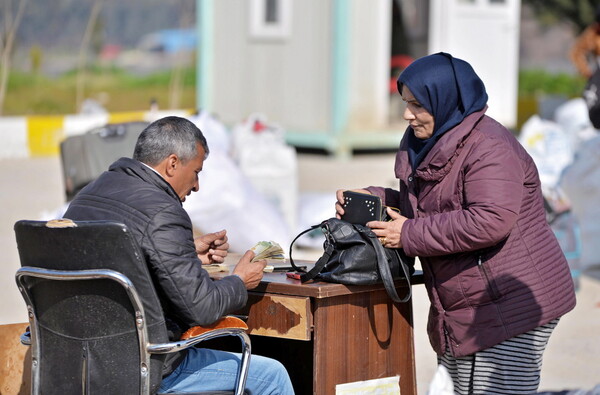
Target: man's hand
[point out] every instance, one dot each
(389, 232)
(212, 247)
(250, 272)
(339, 204)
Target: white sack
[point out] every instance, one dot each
(573, 118)
(581, 183)
(269, 163)
(227, 200)
(549, 146)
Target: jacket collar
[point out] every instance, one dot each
(137, 169)
(438, 161)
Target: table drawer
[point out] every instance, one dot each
(276, 315)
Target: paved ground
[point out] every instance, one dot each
(33, 186)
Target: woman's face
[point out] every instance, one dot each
(420, 120)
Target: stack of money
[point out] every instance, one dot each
(268, 250)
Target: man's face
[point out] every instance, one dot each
(185, 175)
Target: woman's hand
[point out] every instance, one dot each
(389, 232)
(212, 247)
(339, 204)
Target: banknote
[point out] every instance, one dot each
(269, 250)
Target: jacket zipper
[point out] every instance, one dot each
(488, 281)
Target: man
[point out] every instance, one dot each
(146, 193)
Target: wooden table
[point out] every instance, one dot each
(327, 334)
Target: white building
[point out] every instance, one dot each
(322, 68)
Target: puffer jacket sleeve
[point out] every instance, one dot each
(389, 196)
(493, 188)
(198, 299)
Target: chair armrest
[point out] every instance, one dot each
(199, 334)
(225, 322)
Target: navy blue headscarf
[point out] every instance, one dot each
(448, 89)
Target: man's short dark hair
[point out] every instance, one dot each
(166, 136)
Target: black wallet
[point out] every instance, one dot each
(360, 208)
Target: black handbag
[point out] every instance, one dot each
(354, 256)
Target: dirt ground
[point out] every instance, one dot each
(572, 360)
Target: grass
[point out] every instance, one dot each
(540, 82)
(536, 85)
(29, 94)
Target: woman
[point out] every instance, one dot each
(472, 211)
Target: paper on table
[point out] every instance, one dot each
(224, 267)
(216, 267)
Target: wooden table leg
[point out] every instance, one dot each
(362, 336)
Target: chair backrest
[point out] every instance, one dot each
(85, 331)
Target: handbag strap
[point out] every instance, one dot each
(382, 264)
(319, 265)
(386, 274)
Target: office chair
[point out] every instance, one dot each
(96, 323)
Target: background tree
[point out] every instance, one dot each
(83, 50)
(186, 21)
(35, 56)
(579, 13)
(8, 30)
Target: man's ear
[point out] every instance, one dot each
(171, 165)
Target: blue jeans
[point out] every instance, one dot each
(211, 370)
